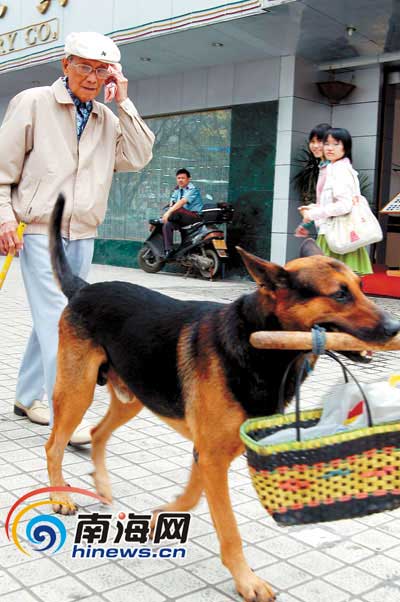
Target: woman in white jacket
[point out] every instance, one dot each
(336, 187)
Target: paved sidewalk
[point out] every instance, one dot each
(354, 560)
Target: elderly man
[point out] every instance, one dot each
(54, 139)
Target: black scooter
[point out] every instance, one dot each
(203, 244)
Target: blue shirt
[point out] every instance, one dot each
(192, 196)
(83, 110)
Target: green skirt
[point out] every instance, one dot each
(358, 261)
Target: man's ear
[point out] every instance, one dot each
(264, 273)
(64, 64)
(309, 247)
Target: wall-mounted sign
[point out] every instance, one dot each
(29, 36)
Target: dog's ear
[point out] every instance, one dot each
(309, 247)
(264, 273)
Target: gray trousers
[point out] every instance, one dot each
(37, 373)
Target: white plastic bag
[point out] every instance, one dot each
(345, 410)
(349, 232)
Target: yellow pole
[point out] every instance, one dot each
(10, 256)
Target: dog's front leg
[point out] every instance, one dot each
(214, 472)
(214, 418)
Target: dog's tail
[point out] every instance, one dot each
(67, 281)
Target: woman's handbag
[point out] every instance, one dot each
(349, 232)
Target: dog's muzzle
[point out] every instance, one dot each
(391, 327)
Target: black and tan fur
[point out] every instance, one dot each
(191, 363)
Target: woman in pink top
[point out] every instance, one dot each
(337, 186)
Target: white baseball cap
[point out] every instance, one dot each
(92, 45)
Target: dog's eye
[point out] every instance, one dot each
(342, 295)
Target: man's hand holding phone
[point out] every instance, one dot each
(116, 86)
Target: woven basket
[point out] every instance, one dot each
(339, 476)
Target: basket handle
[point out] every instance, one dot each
(281, 394)
(318, 335)
(299, 376)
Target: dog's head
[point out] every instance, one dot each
(315, 289)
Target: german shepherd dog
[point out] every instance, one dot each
(191, 363)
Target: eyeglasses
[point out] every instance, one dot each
(82, 69)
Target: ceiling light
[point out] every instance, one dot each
(335, 90)
(350, 29)
(145, 59)
(217, 44)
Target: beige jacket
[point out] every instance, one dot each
(40, 157)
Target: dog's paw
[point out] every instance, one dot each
(255, 589)
(63, 504)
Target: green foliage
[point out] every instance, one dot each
(365, 186)
(306, 180)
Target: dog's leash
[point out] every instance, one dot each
(10, 255)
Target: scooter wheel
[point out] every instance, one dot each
(212, 271)
(148, 262)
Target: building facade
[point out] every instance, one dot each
(229, 88)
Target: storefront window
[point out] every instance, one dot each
(200, 142)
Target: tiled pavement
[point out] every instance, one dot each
(354, 560)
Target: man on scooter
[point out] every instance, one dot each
(184, 208)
